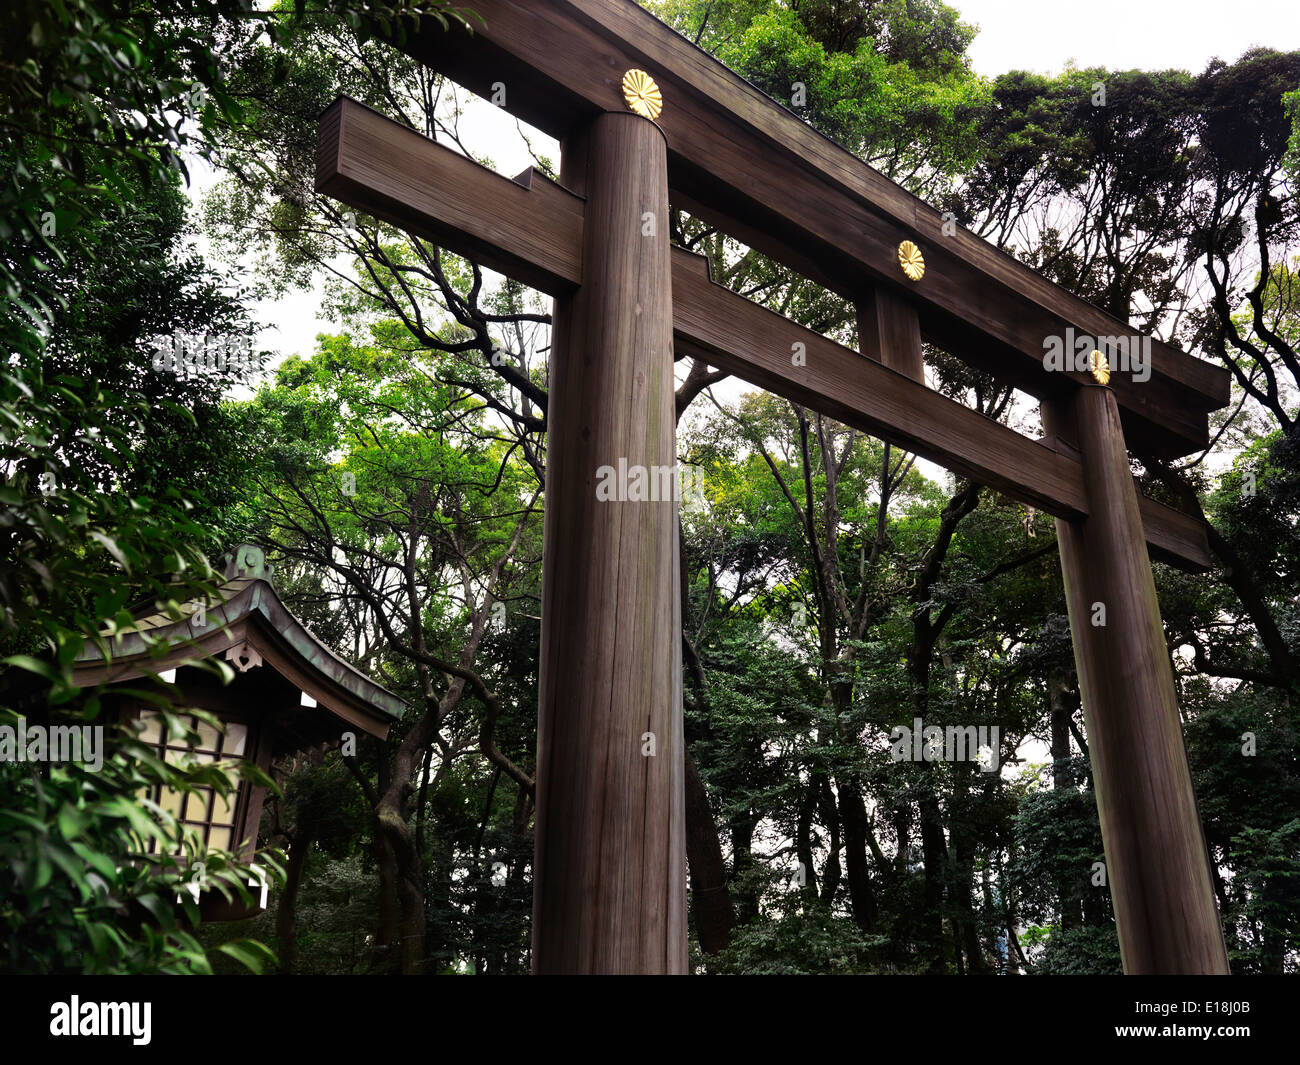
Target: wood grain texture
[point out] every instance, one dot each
(1173, 537)
(890, 333)
(748, 165)
(530, 229)
(610, 863)
(724, 329)
(1157, 865)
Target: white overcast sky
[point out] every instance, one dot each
(1044, 35)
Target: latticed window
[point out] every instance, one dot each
(288, 693)
(211, 817)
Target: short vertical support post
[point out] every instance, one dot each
(889, 332)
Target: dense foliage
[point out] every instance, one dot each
(119, 480)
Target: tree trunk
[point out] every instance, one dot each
(853, 815)
(1063, 780)
(935, 855)
(286, 914)
(406, 875)
(831, 872)
(963, 846)
(742, 862)
(388, 931)
(709, 891)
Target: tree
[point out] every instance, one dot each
(417, 533)
(101, 101)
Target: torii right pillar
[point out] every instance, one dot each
(1157, 864)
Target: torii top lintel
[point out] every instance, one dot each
(744, 163)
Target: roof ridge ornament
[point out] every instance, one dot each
(248, 560)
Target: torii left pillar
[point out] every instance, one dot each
(609, 868)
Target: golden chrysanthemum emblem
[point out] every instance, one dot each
(911, 260)
(1097, 364)
(642, 94)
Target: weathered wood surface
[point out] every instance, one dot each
(1157, 865)
(750, 166)
(530, 232)
(610, 866)
(709, 321)
(890, 332)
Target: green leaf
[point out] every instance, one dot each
(72, 821)
(32, 665)
(248, 952)
(110, 545)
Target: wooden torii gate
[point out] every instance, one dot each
(609, 869)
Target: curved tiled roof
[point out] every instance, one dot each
(247, 624)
